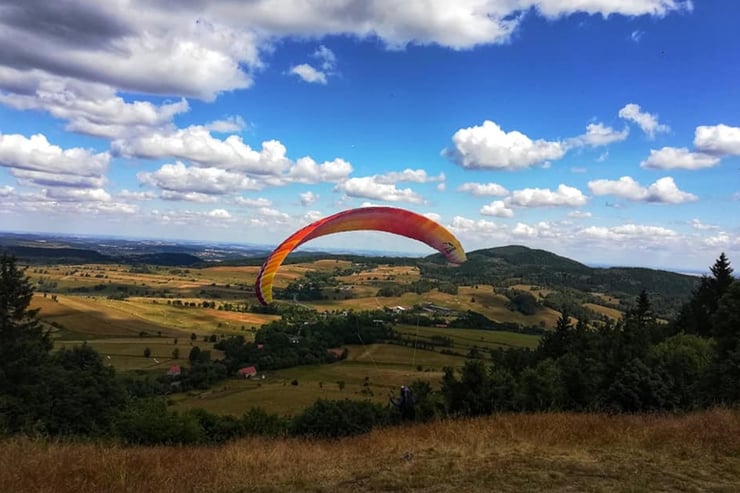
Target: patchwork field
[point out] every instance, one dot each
(123, 311)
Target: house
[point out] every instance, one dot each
(174, 371)
(248, 372)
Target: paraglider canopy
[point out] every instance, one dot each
(388, 219)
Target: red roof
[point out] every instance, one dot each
(249, 370)
(174, 370)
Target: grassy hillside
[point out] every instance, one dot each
(526, 452)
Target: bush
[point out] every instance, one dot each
(148, 422)
(257, 421)
(333, 419)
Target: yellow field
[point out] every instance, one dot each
(554, 452)
(103, 317)
(612, 313)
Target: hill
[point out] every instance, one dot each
(524, 452)
(518, 264)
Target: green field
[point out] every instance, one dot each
(464, 339)
(386, 368)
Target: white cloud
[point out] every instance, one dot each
(630, 232)
(720, 240)
(489, 147)
(433, 216)
(219, 214)
(367, 187)
(92, 109)
(309, 73)
(479, 227)
(212, 181)
(228, 125)
(697, 224)
(719, 139)
(678, 158)
(308, 198)
(496, 208)
(6, 190)
(441, 187)
(202, 49)
(543, 197)
(597, 135)
(540, 230)
(646, 121)
(306, 170)
(558, 8)
(483, 189)
(195, 143)
(129, 195)
(259, 202)
(579, 214)
(409, 175)
(37, 154)
(636, 36)
(198, 197)
(327, 57)
(35, 161)
(663, 190)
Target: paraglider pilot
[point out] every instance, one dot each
(405, 403)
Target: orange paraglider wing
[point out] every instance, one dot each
(388, 219)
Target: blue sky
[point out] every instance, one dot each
(602, 130)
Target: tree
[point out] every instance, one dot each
(24, 351)
(147, 352)
(696, 315)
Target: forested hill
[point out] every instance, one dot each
(509, 264)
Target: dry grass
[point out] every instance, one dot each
(612, 313)
(541, 452)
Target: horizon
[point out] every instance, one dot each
(596, 130)
(307, 248)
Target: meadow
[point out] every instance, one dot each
(147, 319)
(508, 453)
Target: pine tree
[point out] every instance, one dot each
(24, 351)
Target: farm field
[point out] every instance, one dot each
(374, 372)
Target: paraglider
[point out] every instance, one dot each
(387, 219)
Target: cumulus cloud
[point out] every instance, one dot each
(663, 190)
(487, 146)
(409, 175)
(201, 49)
(308, 198)
(721, 139)
(483, 189)
(36, 161)
(496, 208)
(198, 197)
(480, 227)
(309, 74)
(89, 108)
(697, 224)
(544, 197)
(597, 135)
(211, 181)
(306, 170)
(542, 229)
(678, 158)
(247, 202)
(195, 143)
(219, 214)
(369, 188)
(230, 124)
(630, 232)
(646, 121)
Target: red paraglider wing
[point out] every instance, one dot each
(387, 219)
